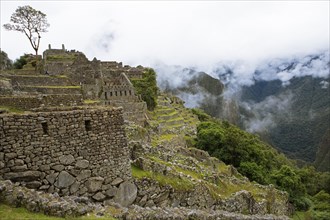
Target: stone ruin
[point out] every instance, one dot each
(67, 78)
(61, 143)
(79, 151)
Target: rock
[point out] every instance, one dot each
(23, 176)
(74, 187)
(19, 162)
(64, 180)
(33, 184)
(126, 194)
(117, 181)
(66, 159)
(58, 168)
(111, 192)
(10, 156)
(51, 189)
(161, 197)
(19, 168)
(150, 203)
(143, 201)
(51, 177)
(99, 197)
(44, 187)
(84, 174)
(44, 167)
(94, 184)
(82, 164)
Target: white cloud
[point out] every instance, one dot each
(192, 33)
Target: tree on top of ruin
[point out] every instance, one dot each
(29, 21)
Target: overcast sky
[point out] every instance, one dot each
(196, 33)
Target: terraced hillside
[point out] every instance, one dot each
(168, 173)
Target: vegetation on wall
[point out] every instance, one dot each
(147, 88)
(5, 62)
(260, 162)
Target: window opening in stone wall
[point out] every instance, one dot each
(110, 93)
(105, 95)
(88, 125)
(125, 93)
(116, 93)
(130, 93)
(120, 93)
(44, 127)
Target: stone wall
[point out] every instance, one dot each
(31, 102)
(79, 152)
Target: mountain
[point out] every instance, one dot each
(302, 121)
(284, 101)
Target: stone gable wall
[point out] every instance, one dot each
(79, 152)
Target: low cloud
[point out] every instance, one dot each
(265, 111)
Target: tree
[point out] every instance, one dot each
(20, 62)
(31, 22)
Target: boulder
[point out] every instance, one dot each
(126, 194)
(64, 180)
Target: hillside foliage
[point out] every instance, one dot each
(147, 88)
(259, 161)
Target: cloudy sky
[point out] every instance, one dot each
(196, 33)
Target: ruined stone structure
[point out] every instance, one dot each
(76, 152)
(69, 78)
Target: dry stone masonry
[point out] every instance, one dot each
(81, 152)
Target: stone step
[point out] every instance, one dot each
(164, 111)
(172, 122)
(168, 116)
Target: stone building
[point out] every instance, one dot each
(77, 151)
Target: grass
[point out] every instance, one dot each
(90, 101)
(11, 109)
(10, 213)
(175, 182)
